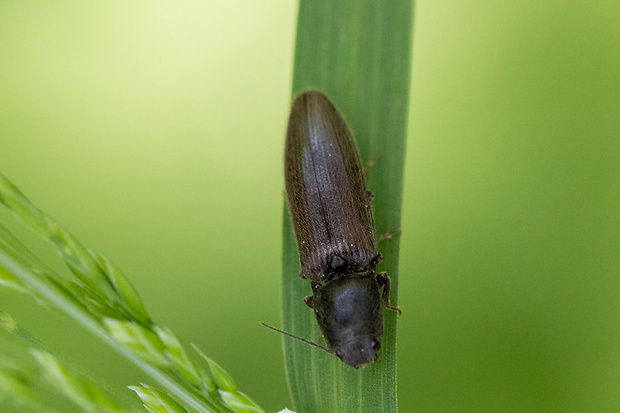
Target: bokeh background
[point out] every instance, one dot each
(154, 131)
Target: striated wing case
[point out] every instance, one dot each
(328, 200)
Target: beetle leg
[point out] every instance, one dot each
(367, 166)
(384, 281)
(388, 235)
(308, 300)
(376, 259)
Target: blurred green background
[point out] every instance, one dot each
(155, 133)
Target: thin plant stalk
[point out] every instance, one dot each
(358, 54)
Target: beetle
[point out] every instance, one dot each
(329, 206)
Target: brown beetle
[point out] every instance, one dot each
(333, 222)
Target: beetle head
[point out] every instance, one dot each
(359, 351)
(349, 312)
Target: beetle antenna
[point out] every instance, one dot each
(298, 338)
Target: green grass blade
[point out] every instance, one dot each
(98, 273)
(77, 388)
(101, 299)
(31, 378)
(156, 401)
(52, 294)
(358, 53)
